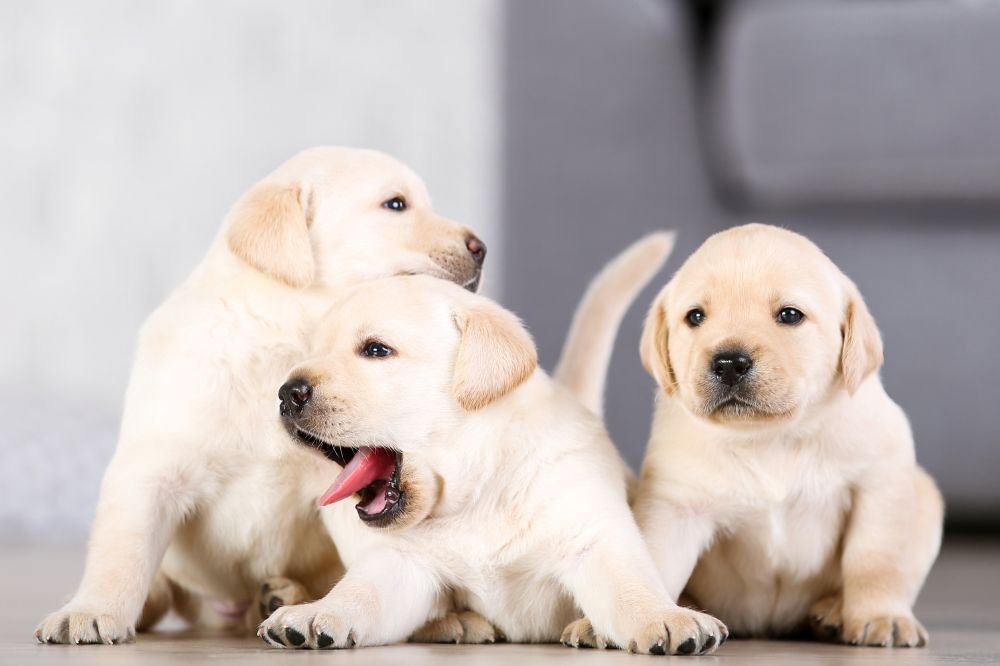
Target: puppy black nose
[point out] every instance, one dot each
(731, 366)
(477, 248)
(294, 395)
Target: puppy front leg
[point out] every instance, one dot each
(892, 539)
(134, 522)
(381, 600)
(676, 538)
(615, 583)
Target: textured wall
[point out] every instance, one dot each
(126, 131)
(601, 147)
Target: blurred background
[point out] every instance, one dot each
(559, 130)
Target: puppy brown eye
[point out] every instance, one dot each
(397, 204)
(375, 349)
(695, 317)
(790, 316)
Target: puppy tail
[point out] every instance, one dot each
(583, 366)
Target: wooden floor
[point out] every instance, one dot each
(960, 606)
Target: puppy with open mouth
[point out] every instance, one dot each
(474, 478)
(780, 489)
(202, 507)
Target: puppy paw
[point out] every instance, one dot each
(308, 626)
(274, 593)
(580, 634)
(84, 626)
(826, 619)
(467, 627)
(829, 622)
(884, 631)
(679, 631)
(675, 631)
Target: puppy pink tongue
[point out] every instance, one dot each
(367, 466)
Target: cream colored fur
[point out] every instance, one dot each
(205, 486)
(583, 365)
(806, 507)
(514, 502)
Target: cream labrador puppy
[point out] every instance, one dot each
(476, 478)
(780, 487)
(205, 485)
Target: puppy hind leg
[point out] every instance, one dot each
(445, 629)
(165, 595)
(159, 600)
(580, 634)
(273, 593)
(826, 618)
(459, 627)
(476, 629)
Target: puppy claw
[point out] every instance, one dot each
(825, 618)
(682, 632)
(580, 634)
(828, 623)
(82, 626)
(466, 627)
(886, 631)
(308, 626)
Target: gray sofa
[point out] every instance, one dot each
(872, 126)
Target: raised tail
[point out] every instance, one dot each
(583, 366)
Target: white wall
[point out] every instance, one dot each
(126, 131)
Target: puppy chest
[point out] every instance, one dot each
(794, 539)
(766, 569)
(256, 526)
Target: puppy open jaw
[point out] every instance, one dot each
(383, 500)
(299, 238)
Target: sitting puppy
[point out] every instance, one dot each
(203, 485)
(780, 486)
(476, 477)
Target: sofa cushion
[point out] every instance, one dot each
(858, 101)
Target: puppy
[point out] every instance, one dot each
(780, 487)
(479, 478)
(205, 485)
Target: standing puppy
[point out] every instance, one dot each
(205, 485)
(476, 478)
(780, 486)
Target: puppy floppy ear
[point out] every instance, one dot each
(269, 230)
(653, 344)
(495, 356)
(861, 353)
